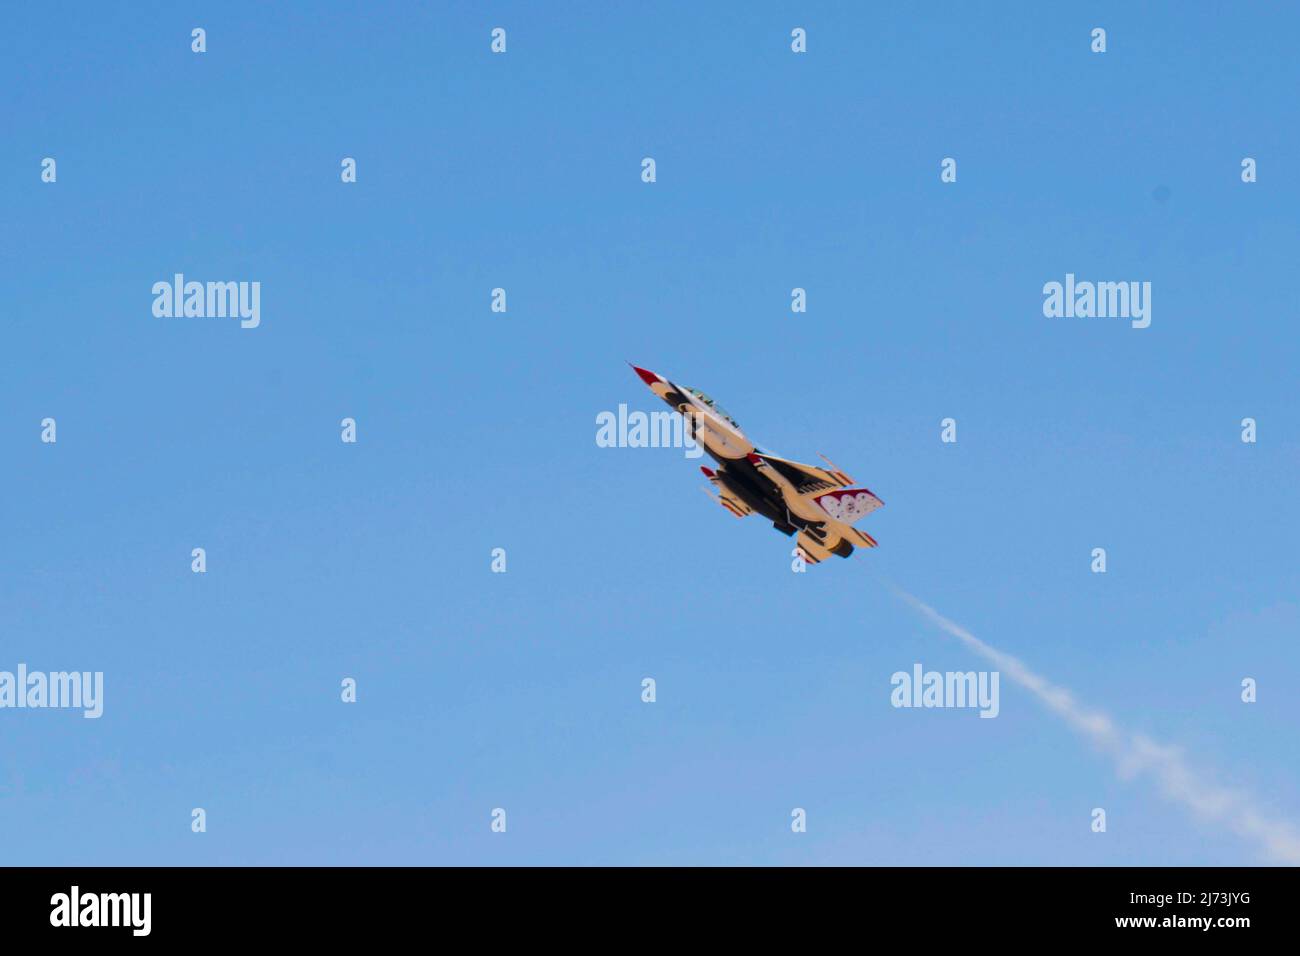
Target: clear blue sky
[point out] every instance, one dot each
(476, 430)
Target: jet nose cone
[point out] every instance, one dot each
(650, 378)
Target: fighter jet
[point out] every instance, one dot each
(814, 504)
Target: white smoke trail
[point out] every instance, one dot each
(1135, 754)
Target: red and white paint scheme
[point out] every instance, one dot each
(815, 504)
(707, 421)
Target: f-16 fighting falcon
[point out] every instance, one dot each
(816, 504)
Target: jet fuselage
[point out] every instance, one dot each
(809, 501)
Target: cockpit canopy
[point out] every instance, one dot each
(704, 399)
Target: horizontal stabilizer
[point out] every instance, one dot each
(813, 551)
(864, 538)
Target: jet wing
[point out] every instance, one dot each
(848, 504)
(828, 488)
(724, 496)
(807, 479)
